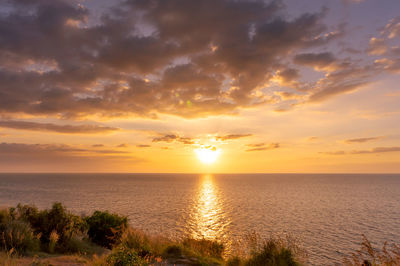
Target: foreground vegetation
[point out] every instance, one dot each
(29, 236)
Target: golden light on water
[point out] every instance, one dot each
(208, 216)
(207, 154)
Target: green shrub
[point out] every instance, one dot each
(18, 236)
(106, 229)
(5, 219)
(272, 254)
(83, 246)
(25, 212)
(173, 251)
(122, 256)
(60, 221)
(234, 261)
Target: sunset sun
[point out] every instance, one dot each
(207, 154)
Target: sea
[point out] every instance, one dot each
(326, 214)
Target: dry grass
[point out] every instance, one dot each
(252, 243)
(7, 259)
(389, 255)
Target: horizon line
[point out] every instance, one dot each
(218, 173)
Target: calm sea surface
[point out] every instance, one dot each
(329, 213)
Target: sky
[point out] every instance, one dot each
(287, 86)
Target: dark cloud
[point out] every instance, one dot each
(187, 58)
(289, 74)
(66, 129)
(264, 147)
(233, 136)
(320, 60)
(361, 140)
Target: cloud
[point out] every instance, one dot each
(372, 151)
(233, 136)
(256, 145)
(172, 137)
(377, 46)
(361, 140)
(65, 129)
(143, 58)
(334, 152)
(287, 77)
(392, 29)
(53, 157)
(386, 48)
(346, 80)
(318, 61)
(97, 145)
(288, 95)
(378, 150)
(341, 76)
(185, 140)
(44, 149)
(165, 138)
(264, 147)
(122, 145)
(143, 146)
(390, 65)
(335, 90)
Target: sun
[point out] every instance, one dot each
(207, 154)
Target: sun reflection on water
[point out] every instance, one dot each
(208, 218)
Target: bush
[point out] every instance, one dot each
(56, 226)
(106, 229)
(123, 256)
(272, 254)
(58, 221)
(273, 251)
(24, 212)
(83, 247)
(207, 248)
(138, 241)
(173, 251)
(234, 261)
(18, 236)
(5, 219)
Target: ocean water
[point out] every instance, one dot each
(328, 213)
